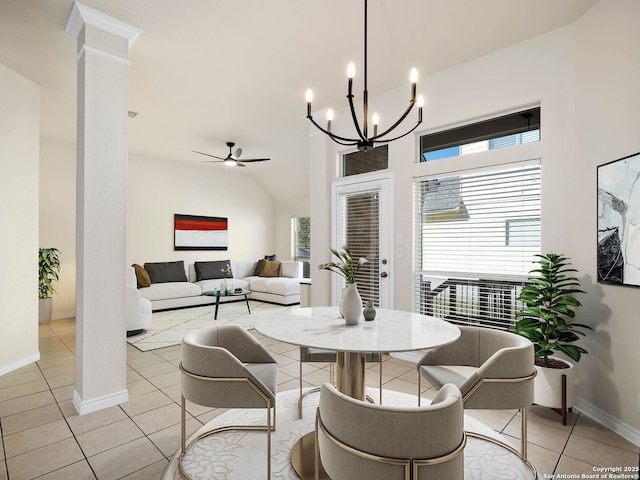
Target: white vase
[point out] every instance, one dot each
(352, 305)
(548, 385)
(223, 286)
(44, 310)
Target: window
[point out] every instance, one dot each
(365, 162)
(301, 242)
(476, 235)
(505, 131)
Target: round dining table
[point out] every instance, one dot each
(390, 331)
(322, 327)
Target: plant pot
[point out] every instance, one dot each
(351, 305)
(548, 385)
(44, 310)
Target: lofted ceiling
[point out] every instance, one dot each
(204, 72)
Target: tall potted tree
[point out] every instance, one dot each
(48, 268)
(547, 320)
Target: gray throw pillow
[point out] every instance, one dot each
(163, 272)
(211, 270)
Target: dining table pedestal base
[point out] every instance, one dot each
(350, 374)
(303, 456)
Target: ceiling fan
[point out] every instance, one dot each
(232, 158)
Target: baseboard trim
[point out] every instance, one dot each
(95, 404)
(612, 423)
(10, 367)
(60, 315)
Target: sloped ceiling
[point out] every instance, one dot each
(205, 72)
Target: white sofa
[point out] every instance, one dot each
(283, 290)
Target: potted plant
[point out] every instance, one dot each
(547, 320)
(347, 266)
(48, 269)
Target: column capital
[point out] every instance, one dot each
(82, 15)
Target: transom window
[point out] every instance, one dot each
(505, 131)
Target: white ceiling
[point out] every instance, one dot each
(205, 72)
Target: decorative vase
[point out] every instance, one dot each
(223, 286)
(44, 310)
(352, 305)
(369, 311)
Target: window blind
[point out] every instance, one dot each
(476, 236)
(359, 229)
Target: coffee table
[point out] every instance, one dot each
(232, 293)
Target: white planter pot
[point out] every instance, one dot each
(44, 310)
(352, 305)
(548, 385)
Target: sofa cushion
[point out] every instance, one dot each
(256, 272)
(270, 269)
(168, 290)
(211, 270)
(162, 272)
(142, 276)
(276, 285)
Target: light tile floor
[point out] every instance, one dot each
(43, 437)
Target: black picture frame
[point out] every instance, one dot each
(618, 255)
(197, 232)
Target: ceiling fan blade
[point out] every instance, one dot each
(213, 161)
(240, 165)
(256, 160)
(237, 153)
(207, 154)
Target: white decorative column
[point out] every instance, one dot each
(101, 207)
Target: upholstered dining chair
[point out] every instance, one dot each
(493, 369)
(359, 440)
(320, 355)
(227, 367)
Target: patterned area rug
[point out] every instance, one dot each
(167, 328)
(242, 454)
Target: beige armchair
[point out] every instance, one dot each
(227, 367)
(319, 355)
(493, 369)
(359, 440)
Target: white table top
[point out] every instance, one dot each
(391, 331)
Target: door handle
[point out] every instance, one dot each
(383, 274)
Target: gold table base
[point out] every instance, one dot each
(303, 458)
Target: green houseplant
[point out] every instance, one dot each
(549, 302)
(48, 270)
(547, 320)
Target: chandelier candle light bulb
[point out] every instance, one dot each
(364, 142)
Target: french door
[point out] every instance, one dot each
(362, 221)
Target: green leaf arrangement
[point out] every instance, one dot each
(549, 302)
(48, 269)
(347, 266)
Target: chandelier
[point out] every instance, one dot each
(364, 142)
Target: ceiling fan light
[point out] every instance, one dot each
(230, 162)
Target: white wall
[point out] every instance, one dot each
(58, 217)
(585, 78)
(159, 189)
(19, 130)
(607, 106)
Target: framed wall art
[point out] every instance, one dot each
(194, 232)
(619, 221)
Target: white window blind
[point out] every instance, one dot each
(359, 217)
(476, 236)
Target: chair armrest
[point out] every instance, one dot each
(508, 362)
(212, 362)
